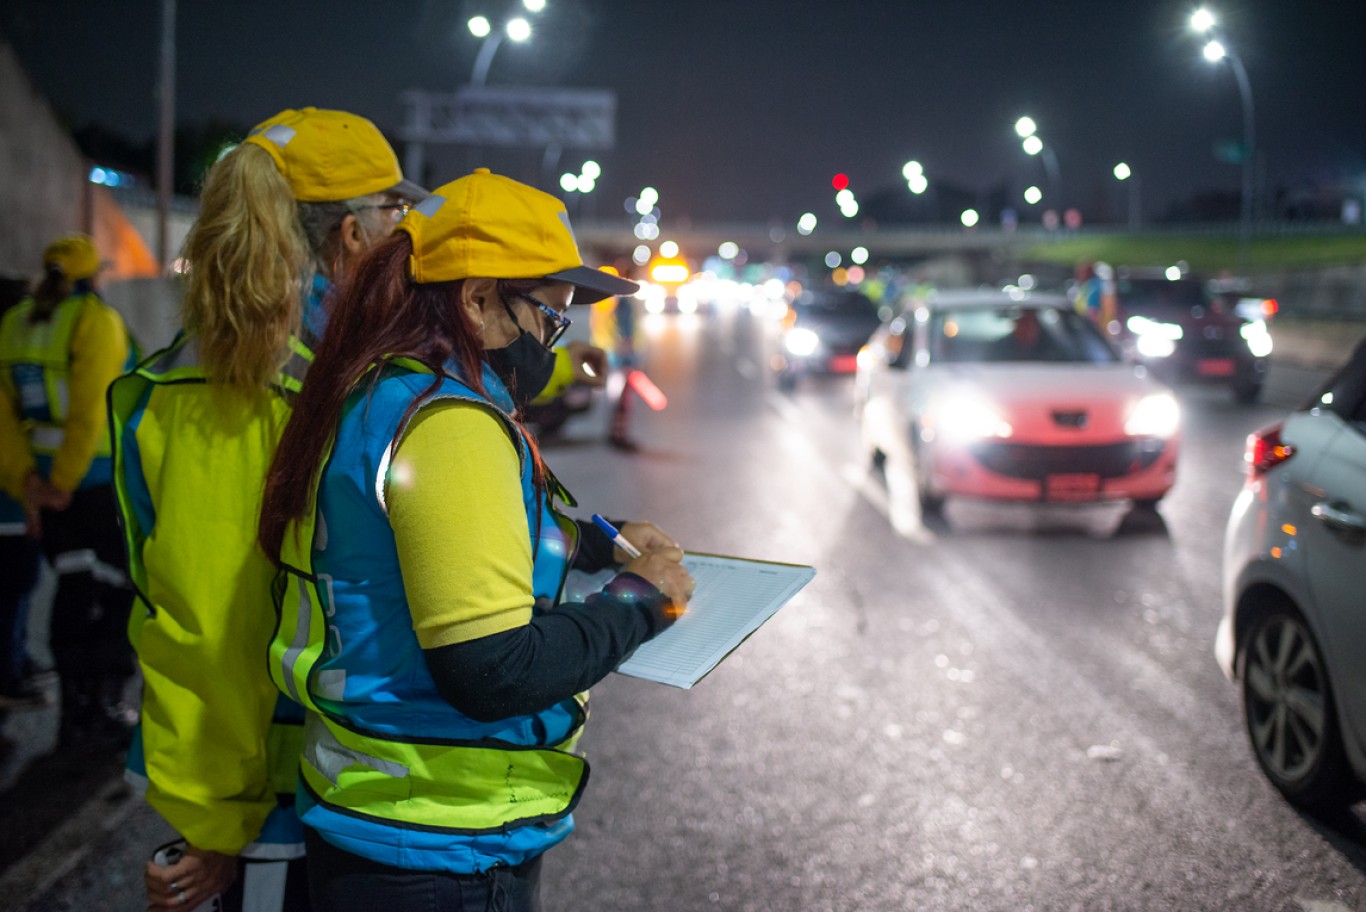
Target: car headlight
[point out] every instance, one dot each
(1155, 415)
(1257, 337)
(967, 418)
(1154, 339)
(801, 342)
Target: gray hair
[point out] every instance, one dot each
(321, 221)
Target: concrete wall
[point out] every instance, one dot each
(150, 307)
(43, 186)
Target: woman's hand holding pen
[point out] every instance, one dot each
(646, 536)
(654, 556)
(663, 567)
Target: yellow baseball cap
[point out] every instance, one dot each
(329, 156)
(74, 255)
(494, 227)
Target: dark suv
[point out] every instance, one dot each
(1185, 334)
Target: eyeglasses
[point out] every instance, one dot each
(558, 322)
(396, 210)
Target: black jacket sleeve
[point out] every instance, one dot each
(595, 548)
(560, 653)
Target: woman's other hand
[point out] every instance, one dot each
(664, 570)
(189, 882)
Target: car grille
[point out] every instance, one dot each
(1019, 460)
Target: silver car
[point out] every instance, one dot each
(1293, 632)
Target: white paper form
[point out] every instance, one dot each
(733, 598)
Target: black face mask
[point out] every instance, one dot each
(524, 366)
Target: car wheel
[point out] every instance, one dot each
(1146, 503)
(931, 504)
(1288, 710)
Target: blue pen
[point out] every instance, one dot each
(617, 538)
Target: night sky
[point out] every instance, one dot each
(742, 111)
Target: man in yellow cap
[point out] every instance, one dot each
(292, 208)
(59, 350)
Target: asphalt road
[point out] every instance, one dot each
(1016, 708)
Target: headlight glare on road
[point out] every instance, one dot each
(1142, 326)
(966, 418)
(1258, 338)
(1155, 415)
(1155, 347)
(801, 342)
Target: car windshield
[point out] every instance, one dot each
(849, 304)
(1015, 334)
(1159, 296)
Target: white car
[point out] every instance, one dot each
(1294, 622)
(1014, 395)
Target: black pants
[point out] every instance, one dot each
(342, 882)
(19, 556)
(89, 635)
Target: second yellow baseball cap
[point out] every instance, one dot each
(74, 255)
(494, 227)
(329, 156)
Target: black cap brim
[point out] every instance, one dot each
(593, 284)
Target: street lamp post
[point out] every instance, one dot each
(1030, 141)
(1216, 49)
(1124, 174)
(517, 29)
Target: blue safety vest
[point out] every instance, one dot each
(390, 770)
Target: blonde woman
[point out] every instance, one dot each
(283, 216)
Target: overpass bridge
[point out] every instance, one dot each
(771, 242)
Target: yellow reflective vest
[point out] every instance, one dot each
(218, 743)
(53, 377)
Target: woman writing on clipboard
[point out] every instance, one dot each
(414, 521)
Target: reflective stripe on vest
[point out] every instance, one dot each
(36, 357)
(450, 787)
(434, 784)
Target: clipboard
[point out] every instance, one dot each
(733, 598)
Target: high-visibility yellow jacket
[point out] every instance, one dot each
(53, 377)
(219, 744)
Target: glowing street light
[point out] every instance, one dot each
(1032, 145)
(969, 218)
(1215, 50)
(517, 29)
(1032, 195)
(914, 172)
(1025, 127)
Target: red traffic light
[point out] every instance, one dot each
(840, 181)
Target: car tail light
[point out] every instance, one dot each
(1265, 451)
(1270, 307)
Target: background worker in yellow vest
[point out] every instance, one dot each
(282, 217)
(59, 351)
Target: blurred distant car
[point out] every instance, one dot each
(1242, 296)
(1185, 334)
(1014, 396)
(822, 332)
(1295, 595)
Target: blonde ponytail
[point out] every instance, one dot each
(246, 254)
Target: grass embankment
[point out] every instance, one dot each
(1207, 255)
